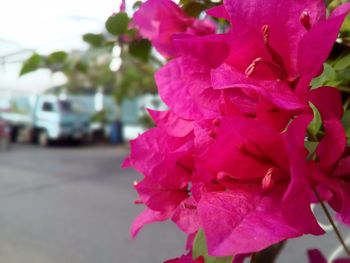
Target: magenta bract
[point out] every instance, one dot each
(229, 155)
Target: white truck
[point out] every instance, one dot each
(46, 118)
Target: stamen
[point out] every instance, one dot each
(305, 19)
(266, 33)
(267, 181)
(135, 183)
(251, 68)
(275, 68)
(276, 57)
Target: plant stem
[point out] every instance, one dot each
(336, 230)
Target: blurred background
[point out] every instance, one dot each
(74, 86)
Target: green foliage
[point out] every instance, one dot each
(329, 77)
(141, 49)
(195, 7)
(31, 64)
(342, 63)
(316, 124)
(346, 123)
(95, 40)
(200, 249)
(136, 5)
(135, 78)
(117, 24)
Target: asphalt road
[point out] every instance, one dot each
(75, 205)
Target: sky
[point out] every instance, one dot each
(46, 26)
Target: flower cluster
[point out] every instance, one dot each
(229, 157)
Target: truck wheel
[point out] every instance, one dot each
(43, 139)
(4, 144)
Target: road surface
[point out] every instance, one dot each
(75, 205)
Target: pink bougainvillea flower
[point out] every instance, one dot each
(315, 256)
(159, 20)
(185, 84)
(229, 157)
(281, 25)
(253, 166)
(271, 50)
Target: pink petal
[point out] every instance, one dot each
(218, 12)
(171, 123)
(186, 216)
(343, 168)
(160, 20)
(240, 221)
(298, 195)
(147, 217)
(328, 102)
(184, 85)
(159, 198)
(278, 93)
(315, 256)
(212, 49)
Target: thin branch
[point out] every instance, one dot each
(336, 230)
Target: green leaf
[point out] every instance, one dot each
(311, 147)
(200, 249)
(95, 40)
(57, 57)
(346, 123)
(328, 75)
(31, 64)
(136, 5)
(194, 8)
(316, 123)
(342, 63)
(117, 24)
(141, 49)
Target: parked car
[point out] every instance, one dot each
(5, 135)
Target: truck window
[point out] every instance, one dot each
(47, 106)
(65, 106)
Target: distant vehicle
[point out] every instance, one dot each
(5, 132)
(46, 118)
(55, 119)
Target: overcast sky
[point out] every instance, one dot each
(47, 26)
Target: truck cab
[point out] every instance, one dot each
(56, 119)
